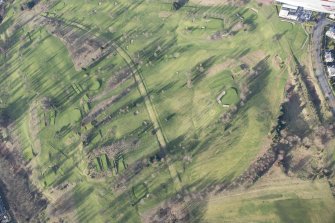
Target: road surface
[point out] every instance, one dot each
(320, 73)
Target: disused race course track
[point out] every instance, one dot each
(150, 109)
(115, 108)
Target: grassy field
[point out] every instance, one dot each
(281, 200)
(154, 124)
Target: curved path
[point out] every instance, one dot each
(150, 108)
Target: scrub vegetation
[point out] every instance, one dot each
(131, 110)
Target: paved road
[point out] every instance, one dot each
(320, 73)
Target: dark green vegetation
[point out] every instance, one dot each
(114, 103)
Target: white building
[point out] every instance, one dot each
(331, 71)
(331, 32)
(296, 13)
(331, 16)
(329, 57)
(289, 12)
(326, 6)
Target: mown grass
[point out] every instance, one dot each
(231, 97)
(174, 52)
(284, 201)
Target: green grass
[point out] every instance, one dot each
(281, 201)
(95, 85)
(104, 162)
(97, 163)
(139, 192)
(69, 117)
(28, 153)
(175, 56)
(231, 97)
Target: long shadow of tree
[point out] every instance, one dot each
(179, 4)
(312, 94)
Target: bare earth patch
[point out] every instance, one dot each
(265, 2)
(102, 106)
(116, 80)
(219, 2)
(210, 2)
(229, 63)
(164, 14)
(63, 206)
(253, 58)
(24, 199)
(83, 46)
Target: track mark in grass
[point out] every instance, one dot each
(150, 109)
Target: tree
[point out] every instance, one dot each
(4, 117)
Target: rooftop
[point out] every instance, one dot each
(331, 32)
(329, 58)
(295, 13)
(331, 71)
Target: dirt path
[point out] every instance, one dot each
(151, 110)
